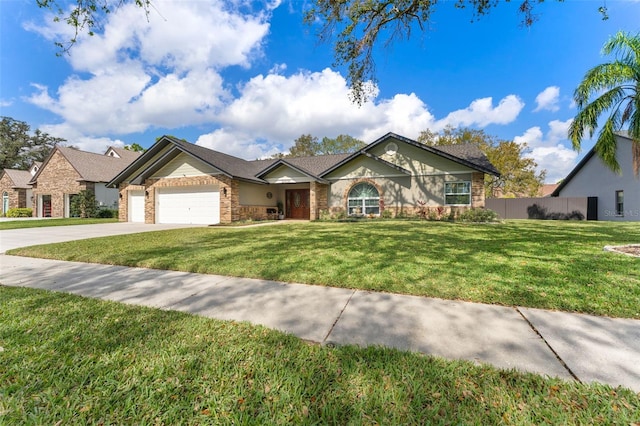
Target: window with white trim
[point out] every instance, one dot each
(363, 199)
(457, 193)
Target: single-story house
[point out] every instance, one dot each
(617, 195)
(67, 171)
(15, 188)
(175, 181)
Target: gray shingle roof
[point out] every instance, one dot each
(125, 154)
(468, 152)
(90, 166)
(20, 178)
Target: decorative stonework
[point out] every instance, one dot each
(318, 199)
(477, 189)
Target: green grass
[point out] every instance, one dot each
(70, 360)
(19, 224)
(543, 264)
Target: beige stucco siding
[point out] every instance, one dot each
(364, 167)
(256, 195)
(417, 160)
(184, 166)
(398, 192)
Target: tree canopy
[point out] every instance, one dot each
(518, 175)
(614, 88)
(309, 146)
(19, 148)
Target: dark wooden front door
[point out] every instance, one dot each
(297, 204)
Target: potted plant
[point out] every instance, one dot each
(280, 210)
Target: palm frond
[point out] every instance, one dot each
(606, 146)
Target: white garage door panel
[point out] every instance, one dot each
(191, 205)
(136, 206)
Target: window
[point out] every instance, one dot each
(364, 199)
(457, 193)
(620, 203)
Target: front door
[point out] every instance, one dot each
(297, 204)
(46, 206)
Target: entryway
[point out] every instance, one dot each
(297, 204)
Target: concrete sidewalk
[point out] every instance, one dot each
(570, 346)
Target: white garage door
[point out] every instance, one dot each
(188, 204)
(136, 206)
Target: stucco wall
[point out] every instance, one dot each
(596, 180)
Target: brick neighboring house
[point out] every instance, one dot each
(15, 189)
(175, 181)
(67, 171)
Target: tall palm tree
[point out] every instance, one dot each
(615, 87)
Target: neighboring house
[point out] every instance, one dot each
(547, 189)
(618, 195)
(175, 181)
(67, 171)
(15, 188)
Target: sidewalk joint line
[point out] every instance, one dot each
(560, 360)
(339, 316)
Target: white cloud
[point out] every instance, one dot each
(481, 112)
(168, 73)
(552, 151)
(548, 99)
(79, 140)
(163, 73)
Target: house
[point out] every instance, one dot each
(175, 181)
(67, 171)
(15, 188)
(547, 189)
(617, 195)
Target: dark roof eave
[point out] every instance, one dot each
(572, 173)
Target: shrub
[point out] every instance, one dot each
(107, 213)
(20, 212)
(386, 214)
(325, 214)
(478, 215)
(84, 204)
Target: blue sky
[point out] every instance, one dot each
(249, 83)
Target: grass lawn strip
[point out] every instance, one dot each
(70, 360)
(42, 223)
(540, 264)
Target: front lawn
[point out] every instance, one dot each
(40, 223)
(70, 360)
(543, 264)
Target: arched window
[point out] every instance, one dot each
(364, 199)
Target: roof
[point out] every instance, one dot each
(467, 154)
(314, 166)
(20, 178)
(90, 166)
(581, 164)
(125, 154)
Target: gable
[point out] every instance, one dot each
(417, 160)
(184, 165)
(364, 166)
(286, 174)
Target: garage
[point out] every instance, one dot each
(188, 205)
(136, 206)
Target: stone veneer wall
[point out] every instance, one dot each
(318, 199)
(57, 179)
(477, 189)
(17, 197)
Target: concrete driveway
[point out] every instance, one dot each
(15, 238)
